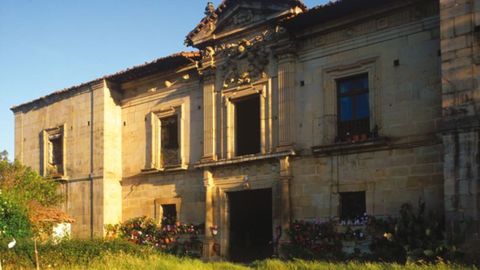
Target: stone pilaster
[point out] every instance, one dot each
(18, 137)
(209, 116)
(286, 100)
(208, 244)
(286, 177)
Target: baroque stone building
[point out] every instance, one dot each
(280, 113)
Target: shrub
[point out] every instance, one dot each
(179, 239)
(414, 236)
(313, 240)
(14, 221)
(25, 200)
(23, 185)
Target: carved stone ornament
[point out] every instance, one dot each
(243, 17)
(209, 9)
(245, 60)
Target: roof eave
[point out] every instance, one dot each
(121, 76)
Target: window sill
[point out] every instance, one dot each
(57, 177)
(242, 159)
(171, 168)
(350, 147)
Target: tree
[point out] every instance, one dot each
(22, 185)
(4, 155)
(21, 189)
(14, 222)
(27, 203)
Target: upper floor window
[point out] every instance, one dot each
(53, 152)
(353, 108)
(165, 147)
(247, 125)
(170, 148)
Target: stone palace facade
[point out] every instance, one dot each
(279, 113)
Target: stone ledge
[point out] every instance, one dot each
(465, 123)
(178, 168)
(242, 159)
(349, 147)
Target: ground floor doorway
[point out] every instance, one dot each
(251, 228)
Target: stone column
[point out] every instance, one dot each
(286, 100)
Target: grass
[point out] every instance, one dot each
(167, 262)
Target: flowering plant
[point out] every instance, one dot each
(316, 240)
(178, 238)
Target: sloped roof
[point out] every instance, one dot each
(225, 5)
(161, 64)
(334, 10)
(39, 214)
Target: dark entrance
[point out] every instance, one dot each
(250, 225)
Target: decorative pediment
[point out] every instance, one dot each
(245, 61)
(232, 16)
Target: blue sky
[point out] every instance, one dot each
(48, 45)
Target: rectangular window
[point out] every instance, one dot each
(352, 205)
(169, 214)
(54, 154)
(247, 125)
(353, 107)
(170, 154)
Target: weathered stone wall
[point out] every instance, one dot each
(140, 195)
(405, 103)
(390, 178)
(142, 185)
(74, 114)
(460, 20)
(112, 156)
(405, 100)
(73, 111)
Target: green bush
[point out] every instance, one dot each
(23, 185)
(66, 253)
(20, 188)
(14, 221)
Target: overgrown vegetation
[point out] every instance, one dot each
(415, 236)
(14, 222)
(66, 254)
(121, 254)
(168, 262)
(23, 185)
(20, 188)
